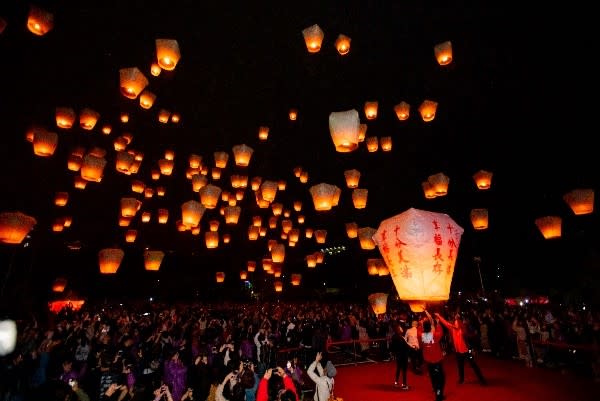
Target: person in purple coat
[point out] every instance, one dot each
(175, 375)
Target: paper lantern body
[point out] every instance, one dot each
(110, 259)
(581, 201)
(378, 302)
(167, 53)
(443, 53)
(483, 179)
(59, 285)
(344, 128)
(313, 37)
(153, 259)
(420, 250)
(550, 226)
(342, 44)
(14, 227)
(479, 219)
(132, 82)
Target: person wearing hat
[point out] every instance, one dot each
(323, 377)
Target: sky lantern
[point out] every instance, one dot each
(79, 182)
(273, 222)
(44, 143)
(163, 216)
(221, 159)
(130, 236)
(428, 190)
(297, 171)
(147, 99)
(253, 233)
(294, 235)
(106, 129)
(581, 201)
(213, 225)
(232, 214)
(59, 284)
(110, 259)
(278, 253)
(483, 179)
(286, 225)
(296, 278)
(308, 232)
(215, 173)
(372, 266)
(277, 208)
(320, 236)
(211, 239)
(297, 205)
(153, 259)
(549, 226)
(313, 38)
(278, 286)
(58, 225)
(268, 190)
(281, 185)
(137, 186)
(163, 116)
(323, 196)
(263, 133)
(167, 53)
(88, 119)
(166, 166)
(365, 236)
(123, 162)
(479, 219)
(443, 53)
(255, 183)
(14, 227)
(352, 178)
(342, 44)
(378, 302)
(304, 177)
(194, 161)
(359, 198)
(420, 250)
(198, 182)
(160, 191)
(402, 110)
(428, 109)
(439, 182)
(344, 129)
(372, 143)
(148, 192)
(191, 213)
(362, 132)
(220, 277)
(175, 118)
(61, 198)
(352, 230)
(39, 21)
(243, 274)
(130, 206)
(209, 196)
(251, 266)
(371, 110)
(242, 155)
(92, 168)
(293, 114)
(226, 238)
(65, 117)
(132, 82)
(386, 143)
(155, 69)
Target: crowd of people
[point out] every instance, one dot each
(180, 352)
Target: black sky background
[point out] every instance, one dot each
(518, 100)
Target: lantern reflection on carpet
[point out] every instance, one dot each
(378, 302)
(110, 259)
(420, 250)
(313, 38)
(549, 226)
(581, 201)
(344, 128)
(153, 259)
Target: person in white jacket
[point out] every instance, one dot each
(323, 378)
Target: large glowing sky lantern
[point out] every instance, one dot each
(420, 250)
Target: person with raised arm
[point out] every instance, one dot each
(432, 355)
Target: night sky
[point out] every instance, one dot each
(517, 100)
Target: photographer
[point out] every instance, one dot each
(279, 384)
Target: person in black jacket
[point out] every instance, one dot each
(400, 350)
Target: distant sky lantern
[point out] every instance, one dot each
(175, 118)
(123, 162)
(163, 216)
(351, 230)
(372, 143)
(44, 143)
(362, 132)
(198, 182)
(321, 236)
(293, 114)
(386, 143)
(160, 191)
(304, 177)
(110, 259)
(549, 226)
(232, 214)
(378, 302)
(163, 116)
(59, 285)
(286, 225)
(278, 253)
(273, 222)
(297, 171)
(255, 183)
(67, 221)
(79, 183)
(428, 190)
(267, 264)
(243, 274)
(344, 129)
(167, 53)
(268, 190)
(352, 178)
(130, 207)
(323, 196)
(402, 110)
(277, 208)
(294, 235)
(313, 38)
(92, 168)
(220, 277)
(365, 236)
(39, 21)
(260, 202)
(342, 44)
(483, 179)
(106, 129)
(251, 266)
(278, 286)
(382, 269)
(194, 161)
(137, 186)
(263, 133)
(420, 250)
(311, 261)
(191, 213)
(65, 117)
(14, 227)
(372, 266)
(155, 174)
(155, 69)
(88, 119)
(153, 259)
(226, 238)
(215, 173)
(439, 182)
(581, 201)
(281, 185)
(132, 82)
(359, 198)
(242, 155)
(371, 110)
(166, 166)
(308, 232)
(61, 198)
(147, 99)
(211, 239)
(479, 219)
(320, 256)
(130, 236)
(443, 53)
(209, 196)
(428, 109)
(221, 159)
(296, 279)
(213, 225)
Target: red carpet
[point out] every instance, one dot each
(507, 381)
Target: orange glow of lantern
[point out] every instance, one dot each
(281, 185)
(251, 266)
(123, 162)
(132, 82)
(278, 253)
(166, 166)
(242, 155)
(163, 216)
(273, 222)
(293, 114)
(59, 285)
(268, 190)
(191, 213)
(372, 266)
(253, 233)
(296, 279)
(213, 225)
(146, 216)
(479, 219)
(44, 143)
(443, 53)
(209, 196)
(148, 192)
(402, 110)
(220, 277)
(221, 159)
(420, 250)
(14, 227)
(365, 236)
(215, 173)
(106, 129)
(439, 182)
(155, 174)
(130, 236)
(92, 168)
(362, 132)
(65, 117)
(167, 53)
(263, 133)
(352, 178)
(130, 206)
(61, 198)
(581, 201)
(153, 259)
(323, 196)
(160, 191)
(386, 143)
(79, 183)
(342, 44)
(428, 190)
(304, 177)
(311, 261)
(39, 21)
(175, 118)
(232, 214)
(320, 236)
(198, 182)
(278, 286)
(163, 116)
(359, 198)
(313, 38)
(371, 110)
(378, 302)
(297, 171)
(428, 109)
(243, 274)
(155, 69)
(372, 144)
(88, 119)
(308, 232)
(549, 226)
(137, 186)
(58, 225)
(211, 239)
(226, 238)
(194, 161)
(483, 179)
(344, 129)
(352, 230)
(147, 99)
(110, 259)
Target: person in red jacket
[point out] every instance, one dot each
(287, 392)
(433, 356)
(463, 352)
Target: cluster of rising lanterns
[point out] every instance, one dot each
(347, 132)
